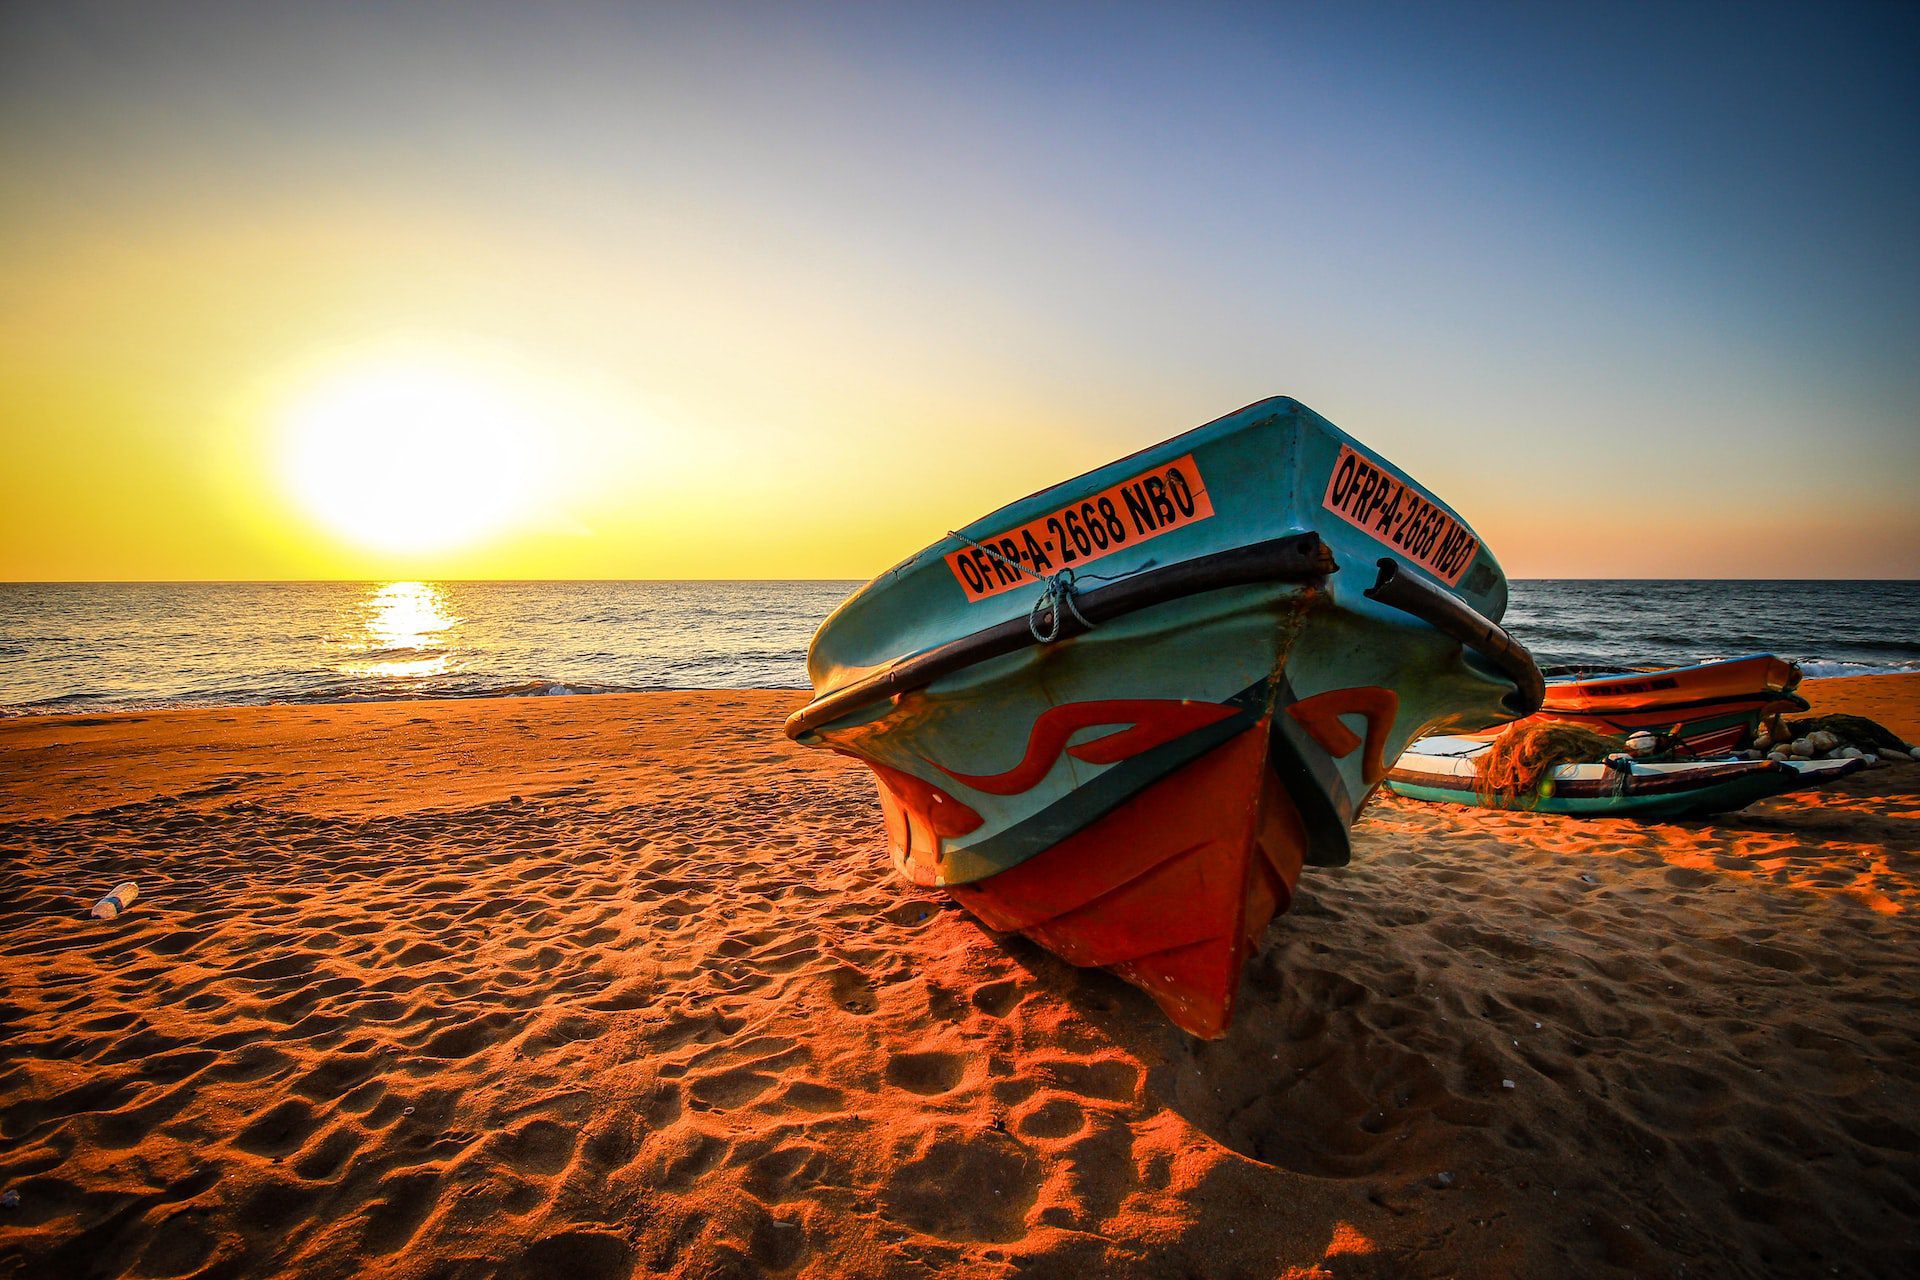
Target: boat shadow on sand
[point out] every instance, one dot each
(1381, 1019)
(1881, 806)
(1303, 1081)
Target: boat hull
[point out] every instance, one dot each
(1442, 770)
(1217, 838)
(1705, 710)
(1136, 783)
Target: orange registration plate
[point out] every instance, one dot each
(1157, 501)
(1380, 504)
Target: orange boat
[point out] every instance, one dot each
(1708, 709)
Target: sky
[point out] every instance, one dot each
(661, 291)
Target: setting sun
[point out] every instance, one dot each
(412, 456)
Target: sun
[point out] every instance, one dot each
(412, 455)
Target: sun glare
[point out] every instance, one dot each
(404, 632)
(412, 456)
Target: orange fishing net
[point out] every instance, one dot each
(1519, 758)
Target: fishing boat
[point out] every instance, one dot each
(1445, 768)
(1120, 715)
(1706, 709)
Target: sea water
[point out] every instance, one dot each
(70, 647)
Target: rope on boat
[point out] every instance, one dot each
(1057, 599)
(1059, 593)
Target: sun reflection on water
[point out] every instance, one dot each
(406, 628)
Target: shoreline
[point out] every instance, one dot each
(611, 984)
(91, 758)
(547, 688)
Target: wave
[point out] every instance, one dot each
(393, 691)
(1816, 668)
(415, 690)
(397, 653)
(115, 647)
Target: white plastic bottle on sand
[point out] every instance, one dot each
(114, 903)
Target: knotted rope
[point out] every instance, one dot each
(1058, 595)
(1057, 600)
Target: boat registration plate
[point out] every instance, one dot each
(1158, 500)
(1380, 504)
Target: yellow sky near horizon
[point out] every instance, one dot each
(176, 409)
(754, 431)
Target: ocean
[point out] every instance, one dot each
(72, 647)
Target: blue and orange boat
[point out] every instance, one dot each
(1703, 710)
(1443, 769)
(1120, 715)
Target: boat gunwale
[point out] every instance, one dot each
(1448, 614)
(1296, 558)
(1793, 700)
(1568, 674)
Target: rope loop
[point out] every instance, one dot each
(1058, 601)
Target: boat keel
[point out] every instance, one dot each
(1171, 890)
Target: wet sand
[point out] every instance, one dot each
(606, 986)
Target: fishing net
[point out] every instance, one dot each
(1520, 757)
(1856, 731)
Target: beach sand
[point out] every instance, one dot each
(596, 986)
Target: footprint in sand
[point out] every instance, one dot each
(1112, 1079)
(536, 1147)
(996, 999)
(408, 1199)
(817, 1098)
(279, 1132)
(777, 1245)
(469, 1038)
(696, 1154)
(178, 1247)
(912, 912)
(577, 1255)
(782, 1173)
(322, 1161)
(926, 1073)
(1001, 1177)
(727, 1089)
(611, 1145)
(852, 990)
(1055, 1117)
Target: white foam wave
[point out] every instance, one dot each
(1815, 668)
